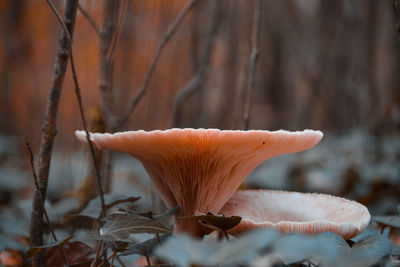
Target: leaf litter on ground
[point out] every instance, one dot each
(183, 250)
(145, 248)
(35, 250)
(325, 249)
(112, 201)
(391, 221)
(369, 250)
(78, 254)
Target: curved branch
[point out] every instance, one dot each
(195, 83)
(68, 43)
(142, 91)
(89, 19)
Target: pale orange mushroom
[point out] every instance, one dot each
(292, 212)
(200, 169)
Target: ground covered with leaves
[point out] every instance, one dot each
(137, 227)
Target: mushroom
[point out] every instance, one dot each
(289, 212)
(200, 169)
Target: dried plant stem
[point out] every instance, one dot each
(49, 131)
(396, 8)
(119, 25)
(195, 83)
(120, 262)
(89, 19)
(142, 91)
(99, 249)
(252, 63)
(225, 233)
(112, 256)
(101, 252)
(62, 251)
(79, 97)
(106, 169)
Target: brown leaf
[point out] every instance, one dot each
(85, 192)
(78, 254)
(35, 250)
(11, 257)
(218, 221)
(78, 221)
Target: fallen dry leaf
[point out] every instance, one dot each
(78, 254)
(11, 257)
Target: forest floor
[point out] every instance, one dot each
(356, 165)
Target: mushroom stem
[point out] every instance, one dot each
(189, 227)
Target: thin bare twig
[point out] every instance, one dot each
(98, 254)
(121, 262)
(396, 8)
(79, 99)
(195, 83)
(142, 91)
(89, 19)
(119, 27)
(252, 62)
(101, 252)
(49, 131)
(35, 180)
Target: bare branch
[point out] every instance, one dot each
(195, 83)
(396, 8)
(89, 19)
(167, 36)
(252, 62)
(64, 255)
(121, 262)
(119, 27)
(79, 99)
(49, 130)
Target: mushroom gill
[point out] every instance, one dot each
(200, 169)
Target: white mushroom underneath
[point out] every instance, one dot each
(291, 212)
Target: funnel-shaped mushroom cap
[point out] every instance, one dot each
(296, 212)
(199, 170)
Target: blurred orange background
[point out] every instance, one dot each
(329, 65)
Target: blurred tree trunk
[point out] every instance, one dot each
(15, 51)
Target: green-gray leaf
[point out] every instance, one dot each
(145, 248)
(182, 250)
(120, 226)
(392, 221)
